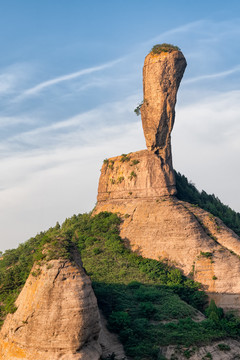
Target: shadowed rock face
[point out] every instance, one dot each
(162, 74)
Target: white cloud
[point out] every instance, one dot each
(8, 121)
(13, 76)
(45, 84)
(206, 144)
(213, 76)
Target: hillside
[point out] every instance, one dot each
(141, 298)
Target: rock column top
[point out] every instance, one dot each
(162, 74)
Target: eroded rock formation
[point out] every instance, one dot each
(140, 187)
(162, 74)
(57, 316)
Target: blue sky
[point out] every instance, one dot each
(70, 77)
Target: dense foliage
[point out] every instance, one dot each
(147, 302)
(157, 49)
(186, 191)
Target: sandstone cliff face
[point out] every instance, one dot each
(57, 316)
(140, 187)
(162, 74)
(136, 175)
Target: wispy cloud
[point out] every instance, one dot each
(8, 121)
(7, 82)
(45, 84)
(213, 76)
(13, 76)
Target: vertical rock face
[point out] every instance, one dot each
(140, 187)
(162, 74)
(57, 316)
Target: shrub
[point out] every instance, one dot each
(137, 110)
(224, 347)
(125, 157)
(132, 175)
(134, 162)
(118, 320)
(157, 49)
(120, 179)
(206, 254)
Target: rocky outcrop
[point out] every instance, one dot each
(140, 187)
(136, 175)
(162, 74)
(57, 316)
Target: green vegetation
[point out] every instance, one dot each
(132, 175)
(207, 356)
(137, 110)
(146, 302)
(125, 157)
(110, 165)
(134, 162)
(206, 254)
(186, 191)
(224, 347)
(120, 179)
(157, 49)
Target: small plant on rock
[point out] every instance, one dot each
(120, 179)
(132, 175)
(134, 162)
(207, 254)
(124, 158)
(157, 49)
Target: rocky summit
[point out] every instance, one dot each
(140, 186)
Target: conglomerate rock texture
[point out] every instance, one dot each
(57, 316)
(140, 187)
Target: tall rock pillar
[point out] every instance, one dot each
(162, 74)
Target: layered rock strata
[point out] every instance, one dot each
(136, 175)
(57, 316)
(140, 187)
